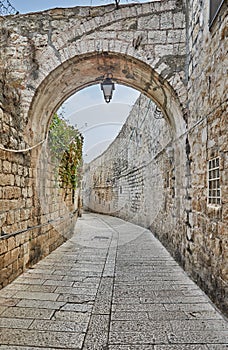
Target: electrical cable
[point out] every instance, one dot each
(6, 8)
(23, 150)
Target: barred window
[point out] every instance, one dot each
(214, 191)
(215, 6)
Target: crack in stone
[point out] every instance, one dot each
(50, 43)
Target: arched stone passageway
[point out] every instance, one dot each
(39, 53)
(43, 65)
(85, 70)
(47, 56)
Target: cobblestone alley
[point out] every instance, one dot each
(112, 286)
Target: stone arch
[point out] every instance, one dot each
(39, 50)
(142, 45)
(88, 69)
(55, 46)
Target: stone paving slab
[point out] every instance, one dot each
(42, 338)
(97, 335)
(26, 312)
(113, 286)
(58, 326)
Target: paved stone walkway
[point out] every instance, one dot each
(111, 287)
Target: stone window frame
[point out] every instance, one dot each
(213, 180)
(214, 8)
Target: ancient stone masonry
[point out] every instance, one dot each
(47, 56)
(142, 177)
(208, 129)
(38, 58)
(36, 215)
(157, 171)
(133, 178)
(168, 191)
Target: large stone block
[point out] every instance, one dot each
(11, 241)
(6, 167)
(3, 247)
(11, 192)
(7, 179)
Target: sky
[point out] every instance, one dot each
(24, 6)
(99, 122)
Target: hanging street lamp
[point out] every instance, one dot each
(107, 86)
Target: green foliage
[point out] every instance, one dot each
(65, 143)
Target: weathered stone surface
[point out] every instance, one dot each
(27, 188)
(161, 182)
(35, 321)
(145, 47)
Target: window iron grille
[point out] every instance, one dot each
(214, 190)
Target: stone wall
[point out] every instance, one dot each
(159, 179)
(128, 180)
(36, 215)
(44, 58)
(144, 178)
(207, 93)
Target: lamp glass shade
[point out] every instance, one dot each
(107, 86)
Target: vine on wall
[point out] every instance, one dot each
(65, 143)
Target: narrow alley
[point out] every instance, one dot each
(112, 286)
